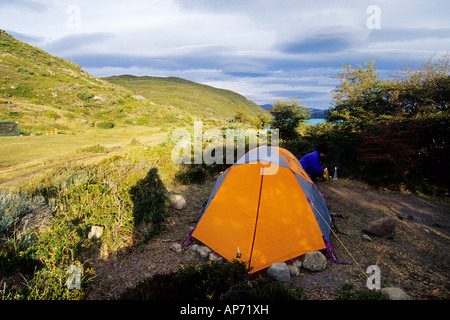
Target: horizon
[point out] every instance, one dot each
(263, 50)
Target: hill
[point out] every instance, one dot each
(196, 99)
(42, 91)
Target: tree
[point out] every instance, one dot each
(287, 116)
(241, 116)
(363, 99)
(423, 90)
(262, 121)
(361, 96)
(403, 123)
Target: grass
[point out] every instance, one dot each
(124, 194)
(41, 91)
(188, 97)
(25, 155)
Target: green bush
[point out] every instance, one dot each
(105, 125)
(9, 113)
(17, 253)
(13, 207)
(116, 194)
(21, 91)
(49, 284)
(227, 281)
(342, 143)
(51, 114)
(92, 105)
(348, 292)
(24, 71)
(191, 174)
(85, 95)
(93, 149)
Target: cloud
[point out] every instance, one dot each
(321, 43)
(263, 49)
(28, 38)
(21, 5)
(389, 35)
(76, 42)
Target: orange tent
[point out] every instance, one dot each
(264, 209)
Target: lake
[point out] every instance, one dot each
(313, 122)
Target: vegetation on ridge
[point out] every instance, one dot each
(42, 91)
(194, 99)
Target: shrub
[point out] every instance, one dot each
(191, 174)
(85, 95)
(287, 116)
(105, 125)
(13, 207)
(120, 194)
(342, 143)
(348, 292)
(12, 113)
(51, 114)
(21, 91)
(92, 105)
(24, 71)
(49, 284)
(16, 241)
(227, 281)
(17, 255)
(93, 149)
(413, 153)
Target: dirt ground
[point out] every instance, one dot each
(416, 260)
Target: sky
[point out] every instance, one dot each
(263, 49)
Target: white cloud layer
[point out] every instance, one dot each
(263, 49)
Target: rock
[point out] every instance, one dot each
(395, 293)
(176, 247)
(194, 248)
(367, 238)
(204, 251)
(177, 202)
(295, 268)
(95, 232)
(279, 271)
(338, 215)
(213, 257)
(403, 217)
(384, 227)
(314, 261)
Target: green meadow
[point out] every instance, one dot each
(26, 155)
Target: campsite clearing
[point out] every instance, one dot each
(415, 260)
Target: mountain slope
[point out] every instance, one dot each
(196, 99)
(42, 91)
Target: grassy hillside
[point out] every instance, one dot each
(196, 99)
(42, 91)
